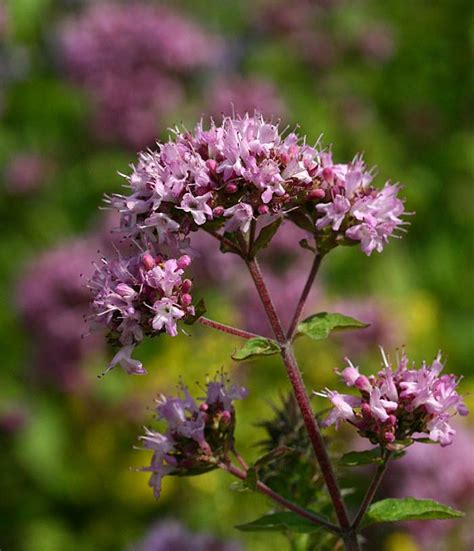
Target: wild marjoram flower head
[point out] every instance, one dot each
(398, 405)
(198, 436)
(141, 295)
(246, 169)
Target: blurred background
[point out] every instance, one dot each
(84, 85)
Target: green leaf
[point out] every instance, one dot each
(251, 480)
(303, 243)
(281, 522)
(399, 445)
(408, 508)
(318, 326)
(259, 346)
(272, 455)
(302, 220)
(265, 235)
(225, 248)
(366, 457)
(199, 310)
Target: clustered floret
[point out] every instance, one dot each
(141, 295)
(245, 169)
(198, 435)
(399, 405)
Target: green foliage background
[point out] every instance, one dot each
(65, 479)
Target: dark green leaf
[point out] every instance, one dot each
(281, 522)
(251, 481)
(301, 220)
(408, 508)
(305, 245)
(259, 346)
(265, 235)
(273, 455)
(226, 246)
(199, 310)
(366, 457)
(318, 326)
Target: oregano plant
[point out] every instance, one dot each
(238, 181)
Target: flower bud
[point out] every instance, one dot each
(184, 262)
(362, 383)
(186, 300)
(263, 209)
(389, 437)
(186, 285)
(366, 411)
(211, 164)
(218, 212)
(328, 174)
(231, 188)
(226, 416)
(316, 194)
(148, 261)
(391, 421)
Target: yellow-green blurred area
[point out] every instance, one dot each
(401, 95)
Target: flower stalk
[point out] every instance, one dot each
(229, 329)
(371, 491)
(264, 489)
(297, 383)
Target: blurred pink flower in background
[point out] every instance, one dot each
(318, 33)
(377, 42)
(170, 535)
(132, 60)
(26, 172)
(384, 329)
(444, 474)
(239, 95)
(3, 20)
(13, 417)
(52, 300)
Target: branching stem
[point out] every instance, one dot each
(296, 379)
(371, 491)
(227, 328)
(264, 489)
(304, 295)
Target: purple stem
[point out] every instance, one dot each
(294, 374)
(264, 489)
(304, 295)
(227, 328)
(371, 491)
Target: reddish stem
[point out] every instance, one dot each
(301, 395)
(304, 295)
(227, 328)
(371, 491)
(266, 299)
(264, 489)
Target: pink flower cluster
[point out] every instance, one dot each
(399, 405)
(132, 59)
(244, 170)
(137, 296)
(197, 435)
